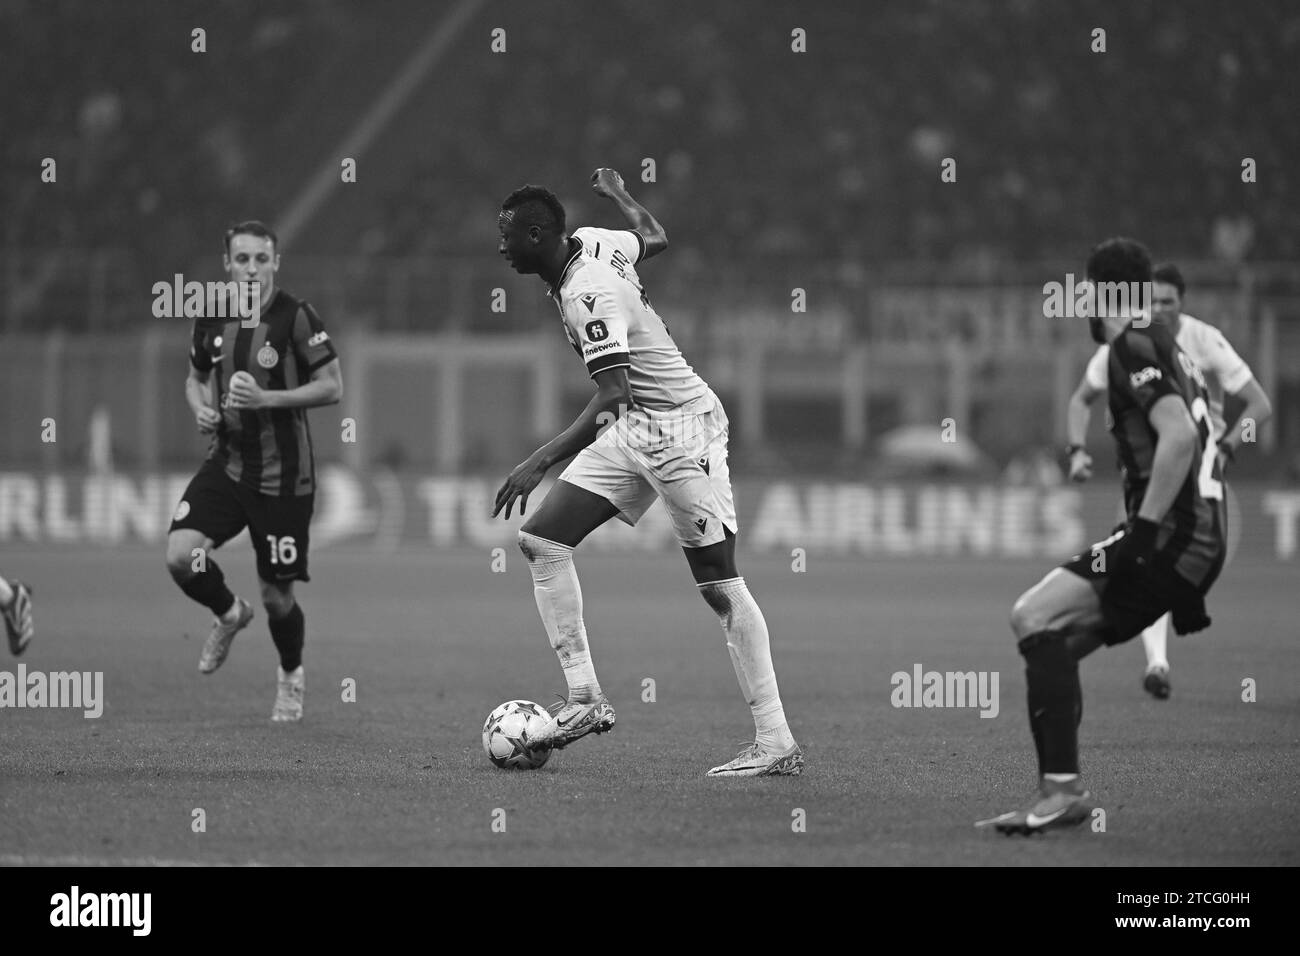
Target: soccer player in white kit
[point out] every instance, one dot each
(654, 429)
(1226, 372)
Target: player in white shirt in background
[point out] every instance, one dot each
(654, 429)
(1226, 373)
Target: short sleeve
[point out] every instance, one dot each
(311, 343)
(603, 243)
(1095, 374)
(1220, 358)
(600, 328)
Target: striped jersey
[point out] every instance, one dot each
(267, 450)
(1144, 366)
(609, 321)
(1225, 370)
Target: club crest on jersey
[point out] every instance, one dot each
(267, 356)
(589, 300)
(1142, 376)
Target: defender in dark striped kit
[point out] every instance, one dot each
(250, 385)
(1163, 560)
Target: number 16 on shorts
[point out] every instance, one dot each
(283, 550)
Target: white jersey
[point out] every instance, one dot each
(1225, 370)
(609, 320)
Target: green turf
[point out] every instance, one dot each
(435, 641)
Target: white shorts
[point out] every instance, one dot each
(678, 456)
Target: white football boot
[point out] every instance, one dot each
(288, 695)
(217, 646)
(574, 720)
(757, 761)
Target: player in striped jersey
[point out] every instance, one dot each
(653, 430)
(1164, 560)
(250, 385)
(1226, 373)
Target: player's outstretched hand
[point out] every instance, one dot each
(244, 392)
(520, 484)
(208, 419)
(606, 182)
(1080, 466)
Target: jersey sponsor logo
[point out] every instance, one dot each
(267, 356)
(597, 349)
(589, 300)
(596, 330)
(1142, 376)
(182, 510)
(317, 339)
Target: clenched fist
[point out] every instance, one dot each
(208, 419)
(607, 182)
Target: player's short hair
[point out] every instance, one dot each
(535, 206)
(251, 227)
(1119, 260)
(1169, 274)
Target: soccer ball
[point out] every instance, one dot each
(508, 730)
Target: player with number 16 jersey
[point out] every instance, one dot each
(250, 385)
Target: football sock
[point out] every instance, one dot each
(559, 601)
(1154, 640)
(289, 633)
(1055, 701)
(208, 587)
(6, 593)
(751, 656)
(1061, 777)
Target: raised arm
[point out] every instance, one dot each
(608, 183)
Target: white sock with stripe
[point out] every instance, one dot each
(559, 601)
(751, 656)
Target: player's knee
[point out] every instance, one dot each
(180, 560)
(536, 548)
(277, 600)
(525, 540)
(1026, 617)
